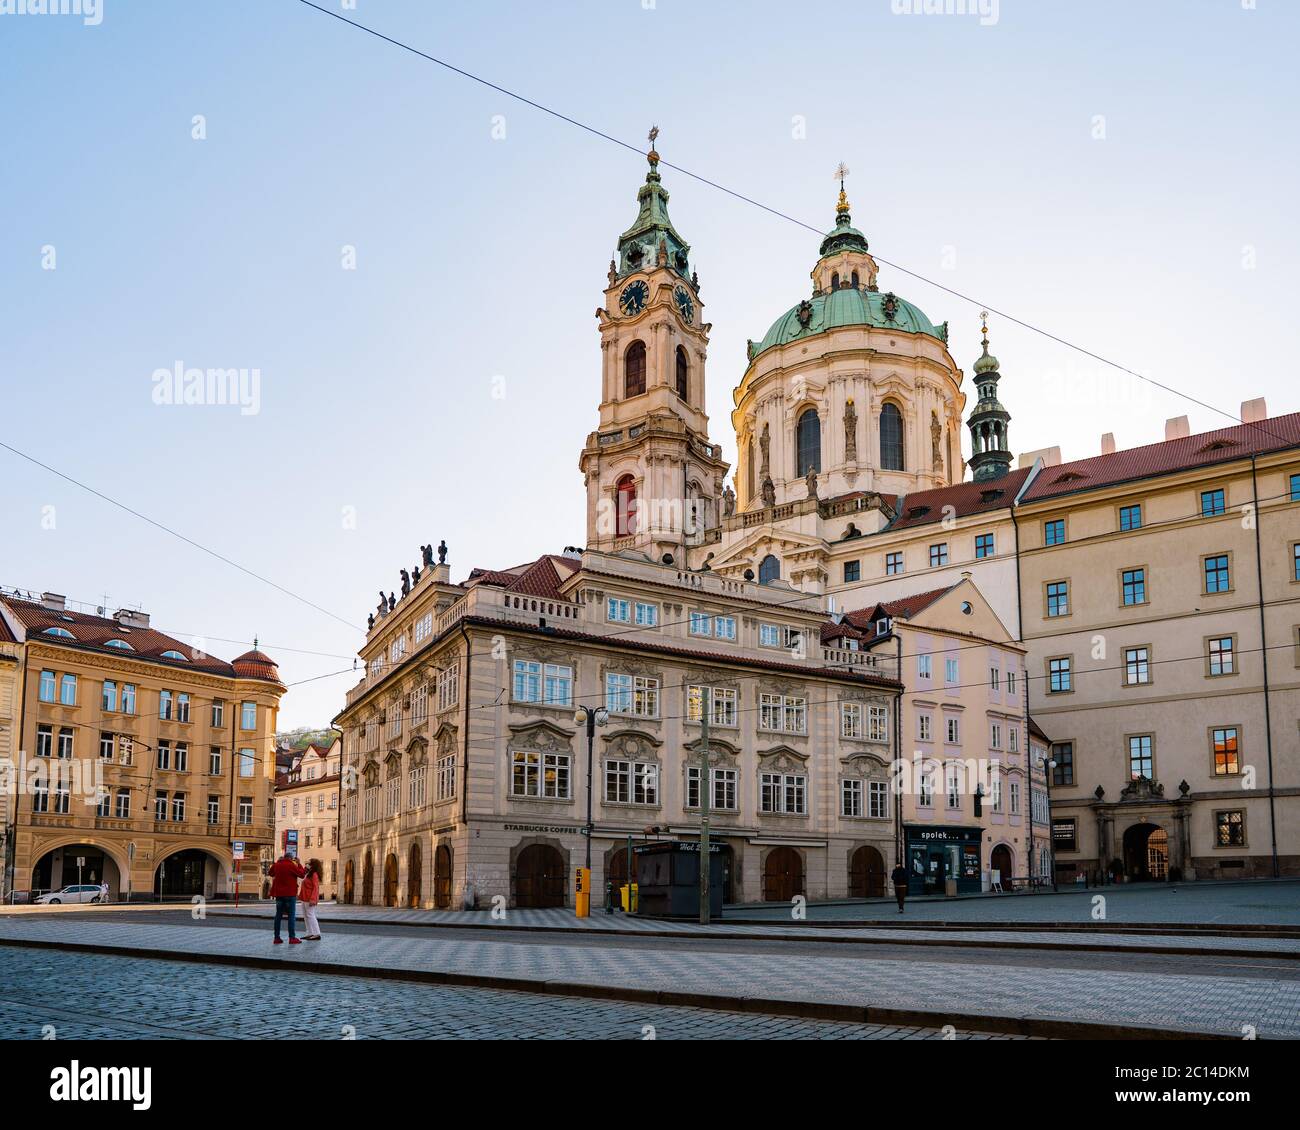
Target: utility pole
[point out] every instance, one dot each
(706, 708)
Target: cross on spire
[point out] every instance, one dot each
(842, 208)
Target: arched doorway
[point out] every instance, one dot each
(539, 876)
(866, 874)
(349, 881)
(442, 876)
(367, 880)
(1146, 853)
(782, 875)
(184, 874)
(414, 877)
(728, 873)
(390, 880)
(1000, 861)
(58, 868)
(615, 873)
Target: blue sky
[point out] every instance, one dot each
(1167, 244)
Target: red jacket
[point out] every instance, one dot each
(285, 874)
(310, 891)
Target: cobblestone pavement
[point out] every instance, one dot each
(565, 921)
(1000, 987)
(95, 997)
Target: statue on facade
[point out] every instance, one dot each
(415, 576)
(383, 603)
(392, 602)
(442, 553)
(765, 446)
(728, 502)
(850, 432)
(426, 551)
(811, 480)
(769, 491)
(406, 583)
(613, 273)
(936, 441)
(370, 622)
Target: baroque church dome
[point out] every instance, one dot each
(847, 307)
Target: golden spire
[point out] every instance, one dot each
(842, 208)
(653, 156)
(984, 328)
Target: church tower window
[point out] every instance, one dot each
(891, 438)
(769, 569)
(683, 374)
(625, 522)
(809, 442)
(634, 370)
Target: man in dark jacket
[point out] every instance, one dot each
(284, 874)
(899, 878)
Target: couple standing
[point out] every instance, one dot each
(285, 873)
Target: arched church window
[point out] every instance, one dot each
(749, 470)
(634, 370)
(625, 519)
(683, 373)
(855, 280)
(769, 569)
(808, 442)
(835, 280)
(891, 438)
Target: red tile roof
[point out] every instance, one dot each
(92, 633)
(542, 577)
(1167, 457)
(926, 506)
(6, 636)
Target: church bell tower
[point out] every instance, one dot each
(654, 480)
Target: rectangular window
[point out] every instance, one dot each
(618, 610)
(68, 690)
(924, 666)
(995, 792)
(164, 758)
(983, 545)
(724, 627)
(954, 731)
(420, 705)
(218, 714)
(701, 624)
(1130, 517)
(1059, 675)
(850, 798)
(1015, 797)
(1137, 666)
(852, 571)
(245, 810)
(878, 799)
(1295, 562)
(951, 671)
(424, 627)
(1226, 760)
(724, 788)
(1013, 739)
(46, 686)
(877, 723)
(417, 787)
(938, 554)
(1213, 503)
(247, 760)
(544, 775)
(44, 741)
(783, 713)
(1216, 573)
(1054, 531)
(647, 615)
(178, 808)
(1230, 828)
(1063, 770)
(182, 757)
(995, 736)
(160, 804)
(923, 727)
(122, 808)
(954, 787)
(1011, 684)
(547, 683)
(893, 563)
(632, 694)
(1222, 656)
(721, 699)
(631, 782)
(994, 675)
(851, 720)
(248, 716)
(1134, 584)
(128, 698)
(1058, 598)
(448, 686)
(784, 793)
(447, 777)
(1295, 488)
(165, 705)
(214, 761)
(925, 789)
(107, 747)
(182, 708)
(108, 700)
(1140, 762)
(65, 743)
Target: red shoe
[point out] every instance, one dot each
(295, 941)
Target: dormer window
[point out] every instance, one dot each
(175, 655)
(121, 645)
(884, 626)
(62, 633)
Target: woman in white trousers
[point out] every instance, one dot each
(309, 896)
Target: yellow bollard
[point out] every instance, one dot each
(582, 892)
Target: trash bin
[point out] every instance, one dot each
(622, 895)
(950, 887)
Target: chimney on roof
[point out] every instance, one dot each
(1108, 443)
(1051, 457)
(130, 618)
(1177, 427)
(966, 575)
(1253, 411)
(54, 601)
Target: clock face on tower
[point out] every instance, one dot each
(634, 297)
(684, 304)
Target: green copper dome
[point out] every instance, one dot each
(847, 307)
(986, 363)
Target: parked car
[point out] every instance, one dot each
(78, 892)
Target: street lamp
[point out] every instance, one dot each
(1049, 766)
(586, 716)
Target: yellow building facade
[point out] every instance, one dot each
(143, 758)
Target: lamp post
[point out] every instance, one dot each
(1048, 767)
(591, 718)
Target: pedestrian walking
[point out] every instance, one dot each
(103, 891)
(899, 878)
(309, 893)
(284, 874)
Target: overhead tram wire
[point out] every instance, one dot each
(737, 195)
